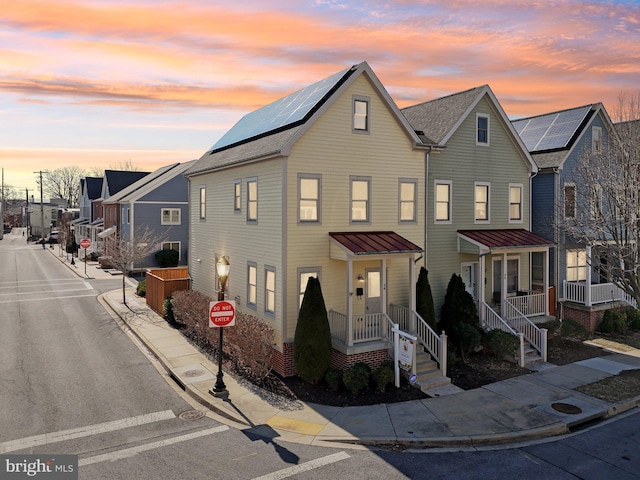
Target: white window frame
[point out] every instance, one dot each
(449, 202)
(366, 201)
(126, 220)
(596, 139)
(564, 195)
(203, 202)
(488, 129)
(520, 187)
(358, 117)
(252, 203)
(485, 186)
(497, 273)
(252, 288)
(310, 200)
(402, 202)
(171, 220)
(576, 266)
(171, 245)
(305, 272)
(237, 196)
(596, 201)
(269, 294)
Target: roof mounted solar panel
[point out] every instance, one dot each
(279, 114)
(551, 131)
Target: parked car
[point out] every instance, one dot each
(51, 238)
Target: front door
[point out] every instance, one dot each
(373, 291)
(468, 274)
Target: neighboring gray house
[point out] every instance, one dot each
(158, 202)
(556, 142)
(90, 189)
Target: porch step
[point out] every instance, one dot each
(531, 355)
(428, 374)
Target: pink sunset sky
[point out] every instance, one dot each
(152, 82)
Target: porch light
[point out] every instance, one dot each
(360, 278)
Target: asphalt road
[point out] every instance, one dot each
(72, 381)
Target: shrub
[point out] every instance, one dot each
(424, 299)
(356, 378)
(383, 376)
(469, 339)
(141, 288)
(333, 378)
(459, 317)
(573, 329)
(633, 316)
(502, 344)
(167, 257)
(616, 321)
(167, 307)
(312, 341)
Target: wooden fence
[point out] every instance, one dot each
(162, 282)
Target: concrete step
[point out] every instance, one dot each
(435, 382)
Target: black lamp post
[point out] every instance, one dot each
(222, 268)
(73, 243)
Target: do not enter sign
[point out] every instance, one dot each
(222, 314)
(85, 243)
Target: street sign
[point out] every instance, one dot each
(85, 243)
(222, 314)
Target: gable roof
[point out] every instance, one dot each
(116, 180)
(439, 119)
(273, 129)
(94, 187)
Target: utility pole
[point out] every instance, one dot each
(26, 214)
(41, 208)
(2, 207)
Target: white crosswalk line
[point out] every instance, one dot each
(87, 431)
(130, 452)
(305, 467)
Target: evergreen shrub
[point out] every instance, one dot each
(356, 378)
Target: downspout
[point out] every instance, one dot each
(426, 204)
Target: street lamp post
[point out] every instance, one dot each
(73, 243)
(222, 268)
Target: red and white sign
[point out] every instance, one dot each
(222, 314)
(85, 243)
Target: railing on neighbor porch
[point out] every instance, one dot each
(537, 337)
(493, 321)
(530, 305)
(598, 293)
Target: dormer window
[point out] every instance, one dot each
(360, 114)
(482, 135)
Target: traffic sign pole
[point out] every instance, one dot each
(85, 243)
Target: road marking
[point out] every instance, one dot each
(130, 452)
(45, 284)
(54, 437)
(47, 298)
(305, 467)
(47, 291)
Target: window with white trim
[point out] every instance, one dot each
(442, 193)
(360, 195)
(252, 200)
(515, 202)
(407, 199)
(481, 202)
(203, 203)
(303, 277)
(309, 198)
(125, 215)
(482, 130)
(596, 139)
(569, 200)
(237, 198)
(170, 216)
(172, 246)
(252, 284)
(270, 290)
(360, 114)
(576, 265)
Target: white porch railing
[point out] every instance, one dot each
(537, 337)
(531, 305)
(363, 328)
(493, 321)
(598, 293)
(435, 344)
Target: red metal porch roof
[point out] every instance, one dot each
(363, 243)
(506, 238)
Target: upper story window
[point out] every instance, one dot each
(360, 114)
(515, 203)
(252, 200)
(596, 201)
(407, 198)
(596, 139)
(203, 203)
(576, 265)
(170, 216)
(569, 200)
(482, 202)
(309, 198)
(237, 198)
(360, 194)
(270, 290)
(482, 124)
(125, 215)
(252, 284)
(442, 192)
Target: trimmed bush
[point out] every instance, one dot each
(167, 257)
(502, 344)
(633, 316)
(573, 329)
(424, 299)
(383, 376)
(357, 377)
(468, 339)
(333, 378)
(312, 341)
(141, 288)
(168, 310)
(614, 321)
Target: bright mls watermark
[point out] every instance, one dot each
(50, 467)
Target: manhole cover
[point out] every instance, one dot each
(192, 415)
(193, 373)
(566, 408)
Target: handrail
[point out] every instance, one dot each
(537, 337)
(493, 321)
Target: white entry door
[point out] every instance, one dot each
(468, 274)
(373, 291)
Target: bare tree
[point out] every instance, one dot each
(126, 166)
(125, 254)
(64, 183)
(607, 201)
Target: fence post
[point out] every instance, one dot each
(543, 332)
(443, 354)
(521, 353)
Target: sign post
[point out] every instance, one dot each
(85, 243)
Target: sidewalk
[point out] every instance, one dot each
(540, 404)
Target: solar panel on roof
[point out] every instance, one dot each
(550, 131)
(280, 113)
